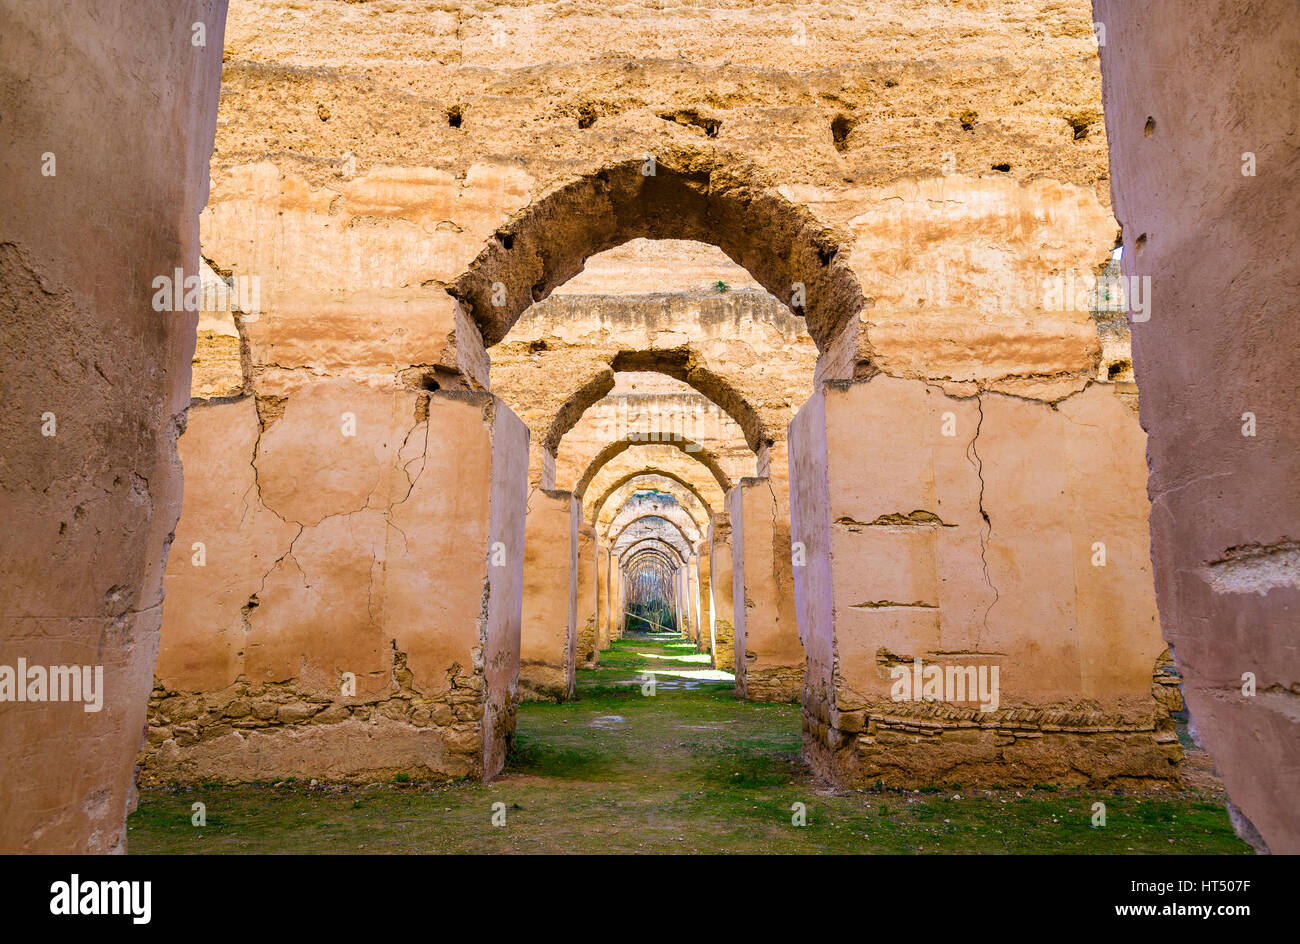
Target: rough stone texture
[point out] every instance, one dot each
(702, 566)
(650, 418)
(680, 308)
(1220, 249)
(616, 598)
(603, 616)
(547, 654)
(723, 644)
(306, 577)
(585, 604)
(519, 97)
(988, 558)
(89, 510)
(769, 660)
(644, 505)
(649, 459)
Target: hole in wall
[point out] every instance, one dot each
(455, 115)
(967, 119)
(841, 127)
(1140, 243)
(586, 116)
(1002, 168)
(426, 378)
(693, 119)
(1150, 127)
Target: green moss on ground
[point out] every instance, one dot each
(688, 770)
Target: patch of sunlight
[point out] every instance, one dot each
(699, 675)
(697, 657)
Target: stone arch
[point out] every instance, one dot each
(650, 550)
(680, 364)
(638, 504)
(650, 558)
(698, 453)
(652, 526)
(652, 458)
(679, 194)
(666, 481)
(653, 553)
(654, 540)
(651, 516)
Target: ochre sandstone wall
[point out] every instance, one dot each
(1021, 546)
(97, 203)
(1201, 111)
(705, 641)
(769, 662)
(677, 307)
(723, 644)
(548, 646)
(585, 605)
(314, 627)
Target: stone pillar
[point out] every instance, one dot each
(986, 534)
(1206, 196)
(109, 117)
(602, 596)
(679, 603)
(356, 611)
(616, 602)
(693, 597)
(688, 618)
(769, 660)
(548, 641)
(724, 633)
(588, 652)
(705, 641)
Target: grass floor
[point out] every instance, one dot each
(687, 770)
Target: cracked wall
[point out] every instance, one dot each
(313, 626)
(1021, 544)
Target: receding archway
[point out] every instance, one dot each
(680, 364)
(616, 448)
(678, 194)
(638, 508)
(685, 492)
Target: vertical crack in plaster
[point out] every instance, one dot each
(411, 480)
(987, 533)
